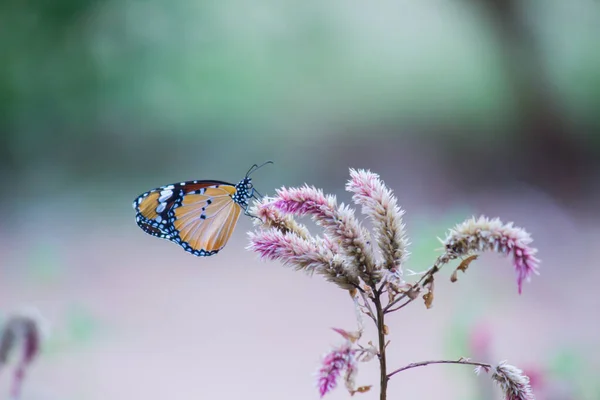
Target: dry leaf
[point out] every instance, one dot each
(453, 277)
(386, 330)
(353, 292)
(361, 389)
(463, 266)
(391, 293)
(351, 336)
(428, 297)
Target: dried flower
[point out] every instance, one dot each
(340, 225)
(380, 205)
(338, 360)
(513, 382)
(484, 234)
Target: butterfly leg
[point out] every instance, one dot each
(249, 214)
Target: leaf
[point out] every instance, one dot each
(428, 297)
(463, 266)
(351, 336)
(361, 389)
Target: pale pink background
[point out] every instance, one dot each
(230, 326)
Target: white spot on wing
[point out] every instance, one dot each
(165, 195)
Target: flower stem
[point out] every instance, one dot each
(381, 335)
(424, 363)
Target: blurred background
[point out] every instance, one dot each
(463, 107)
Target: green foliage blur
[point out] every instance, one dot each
(89, 88)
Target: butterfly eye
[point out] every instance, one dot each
(249, 185)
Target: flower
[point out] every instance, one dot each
(342, 359)
(335, 362)
(484, 234)
(380, 205)
(513, 382)
(309, 254)
(339, 223)
(269, 217)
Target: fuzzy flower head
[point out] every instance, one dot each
(380, 205)
(513, 382)
(339, 360)
(268, 216)
(308, 254)
(339, 223)
(484, 234)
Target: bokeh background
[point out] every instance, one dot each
(463, 107)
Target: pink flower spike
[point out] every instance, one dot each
(380, 205)
(289, 249)
(305, 200)
(484, 234)
(302, 254)
(334, 363)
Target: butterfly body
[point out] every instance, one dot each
(200, 216)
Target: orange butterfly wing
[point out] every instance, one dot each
(200, 216)
(203, 222)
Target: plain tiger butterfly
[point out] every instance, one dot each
(200, 216)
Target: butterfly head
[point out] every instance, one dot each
(243, 191)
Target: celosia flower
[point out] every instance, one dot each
(340, 359)
(484, 234)
(306, 254)
(513, 382)
(269, 217)
(339, 223)
(380, 205)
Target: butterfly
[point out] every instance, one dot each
(200, 216)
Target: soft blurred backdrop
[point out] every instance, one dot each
(463, 107)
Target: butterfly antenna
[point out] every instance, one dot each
(256, 167)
